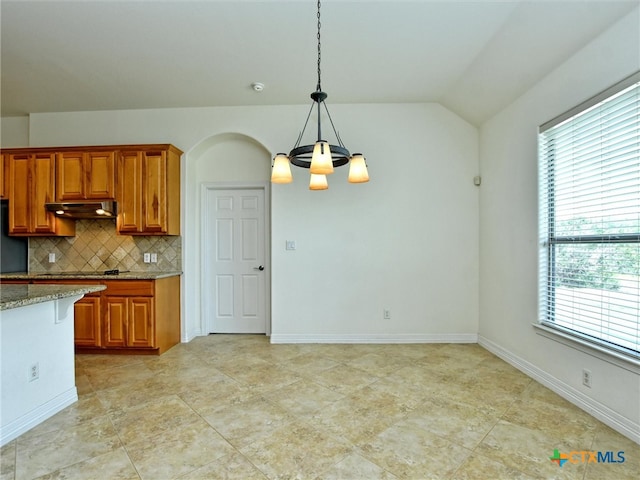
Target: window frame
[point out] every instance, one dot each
(546, 326)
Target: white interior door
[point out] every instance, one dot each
(235, 261)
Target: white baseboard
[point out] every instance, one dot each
(36, 416)
(375, 338)
(603, 413)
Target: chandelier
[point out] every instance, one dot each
(321, 157)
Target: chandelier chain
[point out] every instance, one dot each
(318, 88)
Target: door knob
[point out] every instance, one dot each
(261, 267)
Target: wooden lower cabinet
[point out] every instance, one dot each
(128, 322)
(130, 316)
(86, 324)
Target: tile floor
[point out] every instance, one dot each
(237, 407)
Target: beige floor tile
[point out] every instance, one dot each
(261, 378)
(296, 451)
(281, 352)
(153, 420)
(409, 395)
(118, 398)
(102, 378)
(309, 363)
(245, 422)
(477, 392)
(477, 467)
(179, 451)
(235, 406)
(114, 465)
(83, 385)
(355, 466)
(46, 453)
(101, 362)
(207, 400)
(86, 408)
(303, 397)
(607, 440)
(408, 450)
(577, 427)
(361, 415)
(379, 365)
(537, 391)
(529, 451)
(459, 423)
(468, 352)
(232, 466)
(343, 379)
(339, 352)
(8, 461)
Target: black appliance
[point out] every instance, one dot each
(13, 250)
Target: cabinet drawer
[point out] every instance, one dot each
(130, 288)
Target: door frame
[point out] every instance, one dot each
(205, 218)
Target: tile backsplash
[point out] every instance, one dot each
(96, 247)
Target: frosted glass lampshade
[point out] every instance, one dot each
(281, 172)
(318, 182)
(321, 163)
(358, 169)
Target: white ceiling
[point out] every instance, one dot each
(474, 57)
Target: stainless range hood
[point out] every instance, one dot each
(86, 209)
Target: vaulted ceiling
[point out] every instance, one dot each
(474, 57)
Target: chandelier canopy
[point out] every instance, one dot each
(321, 157)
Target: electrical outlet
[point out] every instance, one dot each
(34, 372)
(154, 258)
(146, 258)
(52, 258)
(386, 314)
(586, 378)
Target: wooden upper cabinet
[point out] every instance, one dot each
(85, 176)
(144, 179)
(19, 192)
(154, 192)
(4, 176)
(149, 191)
(31, 185)
(130, 192)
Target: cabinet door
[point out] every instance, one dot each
(4, 165)
(86, 324)
(154, 203)
(20, 188)
(100, 168)
(43, 188)
(70, 184)
(115, 322)
(141, 322)
(130, 192)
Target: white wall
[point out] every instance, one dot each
(40, 334)
(508, 231)
(14, 131)
(406, 241)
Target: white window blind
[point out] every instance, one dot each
(589, 215)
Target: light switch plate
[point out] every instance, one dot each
(290, 245)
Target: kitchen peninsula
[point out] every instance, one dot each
(134, 313)
(38, 366)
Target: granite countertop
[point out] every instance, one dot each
(88, 276)
(14, 296)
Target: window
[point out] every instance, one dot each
(589, 215)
